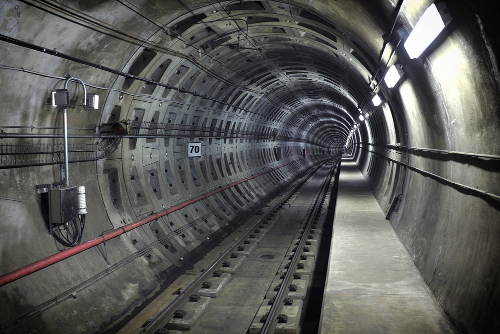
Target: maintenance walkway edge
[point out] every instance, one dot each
(372, 283)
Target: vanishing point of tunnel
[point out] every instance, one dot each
(135, 134)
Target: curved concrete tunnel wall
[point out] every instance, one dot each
(295, 78)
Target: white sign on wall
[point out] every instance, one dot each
(194, 149)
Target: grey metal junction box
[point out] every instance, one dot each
(63, 203)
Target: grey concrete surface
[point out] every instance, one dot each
(246, 79)
(373, 285)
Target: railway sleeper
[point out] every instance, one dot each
(304, 267)
(292, 316)
(185, 318)
(214, 285)
(232, 264)
(307, 251)
(246, 249)
(297, 291)
(311, 245)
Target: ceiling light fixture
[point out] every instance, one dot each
(361, 118)
(376, 100)
(435, 18)
(393, 75)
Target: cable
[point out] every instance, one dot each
(128, 93)
(162, 27)
(70, 14)
(107, 69)
(73, 231)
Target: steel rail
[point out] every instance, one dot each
(26, 270)
(165, 315)
(272, 318)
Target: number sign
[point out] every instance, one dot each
(194, 149)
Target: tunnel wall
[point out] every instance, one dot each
(448, 99)
(138, 177)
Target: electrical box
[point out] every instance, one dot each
(63, 205)
(92, 101)
(60, 98)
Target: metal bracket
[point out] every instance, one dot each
(105, 255)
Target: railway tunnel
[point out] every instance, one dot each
(183, 117)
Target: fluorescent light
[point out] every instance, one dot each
(376, 100)
(392, 76)
(428, 27)
(361, 118)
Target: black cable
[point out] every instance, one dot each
(141, 15)
(107, 69)
(96, 25)
(73, 231)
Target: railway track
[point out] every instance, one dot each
(259, 279)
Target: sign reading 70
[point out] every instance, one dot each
(194, 149)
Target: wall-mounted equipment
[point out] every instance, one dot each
(393, 75)
(91, 101)
(121, 128)
(67, 210)
(64, 210)
(65, 207)
(60, 98)
(435, 18)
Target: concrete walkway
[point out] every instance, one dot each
(372, 284)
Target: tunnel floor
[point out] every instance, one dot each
(373, 285)
(252, 283)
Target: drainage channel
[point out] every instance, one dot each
(257, 279)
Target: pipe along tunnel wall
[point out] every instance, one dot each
(257, 83)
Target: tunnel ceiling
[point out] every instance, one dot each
(275, 61)
(270, 62)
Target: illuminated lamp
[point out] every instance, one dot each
(435, 18)
(361, 118)
(376, 100)
(393, 75)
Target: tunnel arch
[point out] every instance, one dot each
(246, 79)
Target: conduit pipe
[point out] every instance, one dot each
(65, 132)
(441, 179)
(7, 278)
(386, 41)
